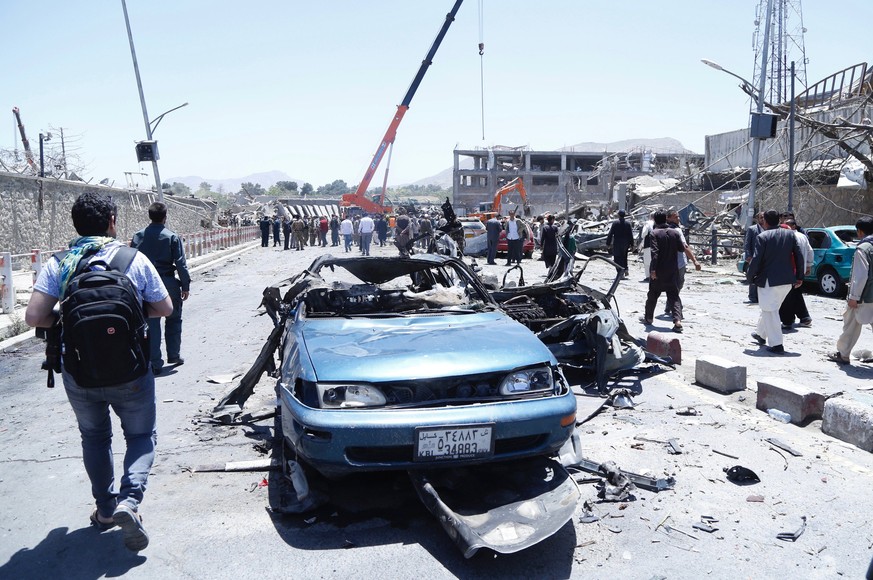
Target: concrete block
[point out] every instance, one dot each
(662, 344)
(849, 421)
(798, 401)
(720, 374)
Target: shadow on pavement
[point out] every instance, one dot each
(81, 554)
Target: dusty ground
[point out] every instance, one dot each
(218, 525)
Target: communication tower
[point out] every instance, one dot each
(786, 45)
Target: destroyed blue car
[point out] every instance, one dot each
(405, 363)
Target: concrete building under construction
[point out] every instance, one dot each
(552, 178)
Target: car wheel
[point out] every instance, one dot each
(829, 282)
(528, 255)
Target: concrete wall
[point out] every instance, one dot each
(35, 213)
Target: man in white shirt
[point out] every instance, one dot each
(366, 228)
(347, 229)
(859, 309)
(513, 239)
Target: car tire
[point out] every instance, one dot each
(829, 282)
(528, 255)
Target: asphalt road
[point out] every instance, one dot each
(220, 525)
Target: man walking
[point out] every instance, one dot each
(164, 248)
(685, 254)
(366, 228)
(492, 230)
(645, 247)
(749, 251)
(859, 306)
(777, 265)
(663, 274)
(134, 402)
(620, 238)
(794, 304)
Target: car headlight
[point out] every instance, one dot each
(528, 381)
(349, 396)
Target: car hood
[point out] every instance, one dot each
(419, 347)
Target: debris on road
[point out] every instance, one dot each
(741, 475)
(792, 536)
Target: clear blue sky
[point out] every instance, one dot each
(309, 87)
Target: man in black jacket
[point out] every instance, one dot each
(164, 248)
(620, 238)
(664, 270)
(777, 265)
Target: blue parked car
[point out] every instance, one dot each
(403, 363)
(834, 248)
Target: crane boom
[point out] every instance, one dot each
(28, 154)
(359, 197)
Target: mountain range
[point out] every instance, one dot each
(443, 178)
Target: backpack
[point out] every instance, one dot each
(105, 334)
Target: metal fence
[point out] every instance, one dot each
(19, 271)
(715, 244)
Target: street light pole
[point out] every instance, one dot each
(791, 146)
(756, 143)
(145, 114)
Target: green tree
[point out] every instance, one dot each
(333, 189)
(306, 189)
(252, 189)
(287, 185)
(180, 189)
(204, 186)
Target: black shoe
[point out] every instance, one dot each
(778, 349)
(759, 339)
(178, 361)
(156, 370)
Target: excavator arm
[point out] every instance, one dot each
(516, 184)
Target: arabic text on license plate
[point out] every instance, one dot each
(436, 443)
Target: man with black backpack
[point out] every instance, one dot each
(163, 247)
(106, 290)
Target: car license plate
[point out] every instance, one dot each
(446, 443)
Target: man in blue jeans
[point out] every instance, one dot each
(164, 248)
(134, 402)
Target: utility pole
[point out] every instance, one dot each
(64, 152)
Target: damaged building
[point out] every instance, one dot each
(585, 172)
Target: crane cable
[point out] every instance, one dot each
(482, 61)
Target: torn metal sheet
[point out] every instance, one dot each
(505, 507)
(641, 481)
(577, 323)
(793, 536)
(783, 446)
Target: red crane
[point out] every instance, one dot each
(359, 197)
